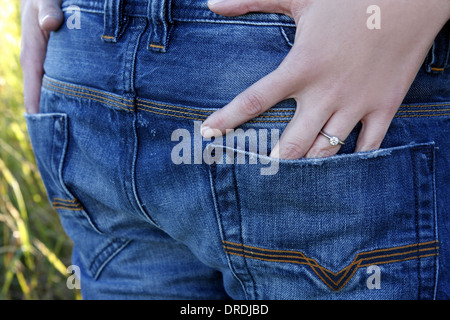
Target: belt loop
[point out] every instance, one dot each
(113, 20)
(159, 15)
(439, 56)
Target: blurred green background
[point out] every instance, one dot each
(34, 250)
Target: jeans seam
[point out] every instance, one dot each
(97, 270)
(135, 202)
(79, 95)
(73, 204)
(429, 154)
(360, 261)
(435, 220)
(212, 177)
(285, 36)
(239, 212)
(136, 32)
(172, 110)
(231, 21)
(60, 170)
(56, 82)
(416, 217)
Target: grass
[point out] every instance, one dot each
(34, 250)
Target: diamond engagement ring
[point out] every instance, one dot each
(334, 141)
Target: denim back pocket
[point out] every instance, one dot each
(48, 133)
(353, 226)
(48, 137)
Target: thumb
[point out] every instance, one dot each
(50, 15)
(240, 7)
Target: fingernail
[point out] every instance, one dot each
(214, 2)
(208, 132)
(275, 153)
(49, 15)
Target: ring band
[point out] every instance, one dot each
(334, 141)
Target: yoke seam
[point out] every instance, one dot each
(269, 116)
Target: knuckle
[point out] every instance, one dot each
(292, 149)
(370, 146)
(321, 153)
(253, 104)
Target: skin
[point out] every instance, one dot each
(39, 17)
(339, 72)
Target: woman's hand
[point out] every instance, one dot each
(39, 17)
(339, 71)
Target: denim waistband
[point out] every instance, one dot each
(439, 57)
(178, 10)
(161, 14)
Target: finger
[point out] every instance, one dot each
(34, 47)
(299, 134)
(259, 97)
(50, 15)
(240, 7)
(32, 81)
(340, 125)
(373, 130)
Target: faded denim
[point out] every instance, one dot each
(372, 225)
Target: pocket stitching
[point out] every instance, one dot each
(239, 253)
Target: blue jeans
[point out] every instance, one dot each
(157, 212)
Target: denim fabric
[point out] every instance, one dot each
(157, 212)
